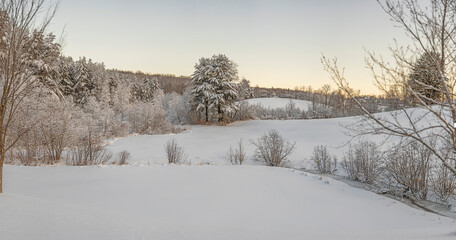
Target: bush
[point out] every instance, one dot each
(90, 151)
(273, 148)
(237, 155)
(149, 118)
(363, 162)
(323, 161)
(444, 184)
(174, 152)
(122, 158)
(410, 167)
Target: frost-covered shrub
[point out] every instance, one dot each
(318, 111)
(363, 162)
(148, 118)
(443, 183)
(237, 155)
(178, 107)
(273, 148)
(105, 119)
(174, 152)
(122, 158)
(44, 127)
(409, 165)
(324, 162)
(292, 112)
(245, 111)
(89, 151)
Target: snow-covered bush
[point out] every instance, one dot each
(237, 154)
(44, 127)
(443, 183)
(177, 107)
(363, 162)
(245, 111)
(273, 148)
(104, 117)
(292, 111)
(174, 152)
(409, 166)
(324, 162)
(149, 118)
(122, 158)
(89, 151)
(318, 111)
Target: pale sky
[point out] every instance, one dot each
(275, 43)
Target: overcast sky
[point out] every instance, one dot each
(275, 43)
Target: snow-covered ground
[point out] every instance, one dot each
(210, 144)
(201, 202)
(148, 199)
(276, 102)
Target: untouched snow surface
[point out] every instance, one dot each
(276, 102)
(201, 202)
(210, 144)
(150, 200)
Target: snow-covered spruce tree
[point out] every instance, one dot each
(214, 86)
(424, 78)
(76, 78)
(144, 91)
(244, 89)
(27, 59)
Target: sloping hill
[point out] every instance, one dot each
(200, 202)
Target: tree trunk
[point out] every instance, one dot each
(220, 118)
(207, 114)
(1, 174)
(2, 160)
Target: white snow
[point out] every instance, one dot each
(151, 200)
(201, 202)
(210, 144)
(276, 102)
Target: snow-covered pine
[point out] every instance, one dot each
(201, 88)
(214, 87)
(224, 74)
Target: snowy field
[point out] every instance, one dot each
(210, 144)
(201, 202)
(279, 102)
(210, 199)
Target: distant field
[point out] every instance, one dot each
(279, 102)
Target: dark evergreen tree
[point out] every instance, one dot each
(426, 80)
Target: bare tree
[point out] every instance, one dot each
(431, 26)
(273, 148)
(22, 43)
(325, 90)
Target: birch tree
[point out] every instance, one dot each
(27, 60)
